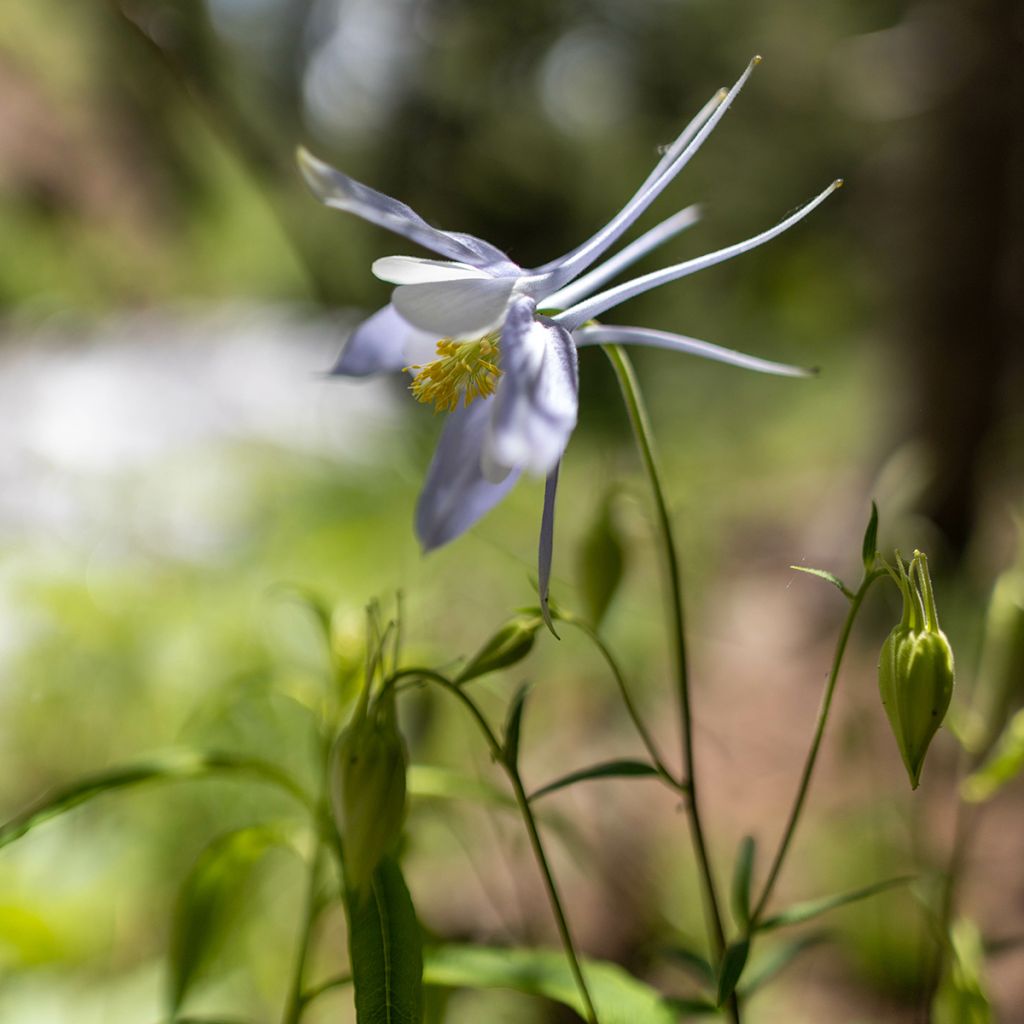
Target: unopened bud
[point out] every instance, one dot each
(510, 644)
(915, 669)
(368, 769)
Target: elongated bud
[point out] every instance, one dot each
(368, 769)
(915, 668)
(510, 644)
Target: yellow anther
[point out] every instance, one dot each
(466, 369)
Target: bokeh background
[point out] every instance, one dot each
(173, 455)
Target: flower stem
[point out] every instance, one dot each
(812, 755)
(640, 423)
(296, 998)
(526, 811)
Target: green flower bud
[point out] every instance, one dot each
(915, 669)
(368, 769)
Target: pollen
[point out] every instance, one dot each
(464, 370)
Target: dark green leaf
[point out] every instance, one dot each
(513, 726)
(210, 896)
(693, 1005)
(763, 969)
(869, 549)
(741, 875)
(618, 997)
(606, 770)
(509, 645)
(800, 912)
(825, 575)
(601, 561)
(385, 946)
(693, 962)
(733, 962)
(169, 767)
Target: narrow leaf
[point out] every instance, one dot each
(167, 768)
(733, 962)
(869, 549)
(606, 770)
(825, 575)
(741, 876)
(509, 645)
(428, 781)
(208, 902)
(698, 967)
(513, 725)
(962, 997)
(808, 909)
(763, 969)
(386, 950)
(618, 997)
(693, 1005)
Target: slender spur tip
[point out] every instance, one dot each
(721, 94)
(838, 183)
(757, 60)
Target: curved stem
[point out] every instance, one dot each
(620, 681)
(642, 432)
(523, 803)
(812, 754)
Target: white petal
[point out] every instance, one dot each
(455, 309)
(456, 494)
(535, 405)
(598, 304)
(413, 270)
(606, 334)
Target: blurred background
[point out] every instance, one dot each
(172, 455)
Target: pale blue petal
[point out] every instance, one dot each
(384, 343)
(598, 304)
(545, 547)
(536, 401)
(340, 191)
(606, 334)
(464, 308)
(456, 494)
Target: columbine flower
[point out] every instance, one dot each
(494, 344)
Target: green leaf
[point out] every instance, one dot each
(509, 645)
(1005, 764)
(513, 726)
(385, 946)
(740, 890)
(176, 765)
(869, 549)
(693, 1005)
(961, 997)
(763, 969)
(427, 781)
(606, 770)
(808, 909)
(693, 962)
(601, 559)
(733, 962)
(825, 575)
(208, 902)
(618, 997)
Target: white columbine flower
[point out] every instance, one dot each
(473, 331)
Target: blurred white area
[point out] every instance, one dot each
(133, 415)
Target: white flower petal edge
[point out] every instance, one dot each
(384, 343)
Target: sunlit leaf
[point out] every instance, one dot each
(1005, 763)
(618, 997)
(961, 997)
(825, 575)
(509, 645)
(208, 901)
(809, 909)
(740, 890)
(386, 950)
(166, 768)
(623, 769)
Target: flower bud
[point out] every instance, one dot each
(915, 669)
(368, 768)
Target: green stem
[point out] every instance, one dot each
(812, 754)
(640, 423)
(296, 999)
(620, 681)
(523, 803)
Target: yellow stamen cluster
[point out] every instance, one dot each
(463, 368)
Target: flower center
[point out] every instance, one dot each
(468, 368)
